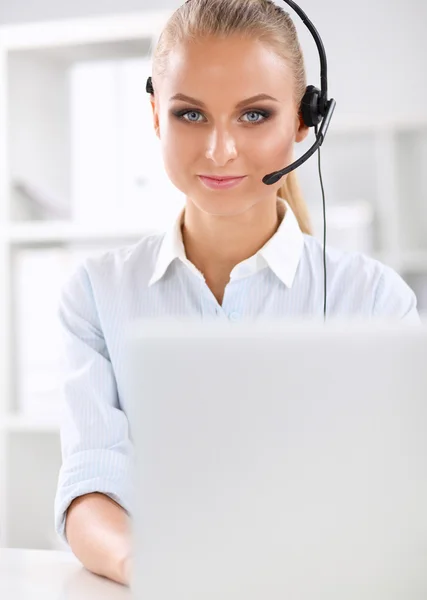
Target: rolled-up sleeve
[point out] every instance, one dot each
(95, 443)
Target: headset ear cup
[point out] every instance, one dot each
(310, 106)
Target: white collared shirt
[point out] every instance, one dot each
(281, 253)
(152, 279)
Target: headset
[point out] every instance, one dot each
(315, 107)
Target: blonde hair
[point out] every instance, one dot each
(262, 20)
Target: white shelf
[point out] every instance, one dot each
(92, 30)
(358, 124)
(414, 262)
(29, 423)
(62, 232)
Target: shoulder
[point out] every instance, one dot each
(343, 266)
(113, 268)
(362, 282)
(394, 297)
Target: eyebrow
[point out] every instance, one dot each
(238, 105)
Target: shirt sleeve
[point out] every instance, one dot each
(394, 298)
(95, 443)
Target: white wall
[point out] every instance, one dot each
(376, 49)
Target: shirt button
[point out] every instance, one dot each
(234, 316)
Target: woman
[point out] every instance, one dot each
(239, 252)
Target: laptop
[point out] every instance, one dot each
(279, 461)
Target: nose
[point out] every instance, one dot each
(221, 146)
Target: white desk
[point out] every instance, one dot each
(52, 575)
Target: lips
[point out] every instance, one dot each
(223, 178)
(221, 184)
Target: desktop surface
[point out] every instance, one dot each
(52, 575)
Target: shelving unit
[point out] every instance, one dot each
(35, 146)
(379, 163)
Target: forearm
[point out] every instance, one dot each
(98, 531)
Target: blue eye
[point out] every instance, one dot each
(257, 112)
(188, 112)
(183, 113)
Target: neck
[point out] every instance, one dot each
(216, 244)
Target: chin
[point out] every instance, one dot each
(223, 204)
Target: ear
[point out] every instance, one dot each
(301, 129)
(155, 116)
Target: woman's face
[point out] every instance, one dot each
(214, 136)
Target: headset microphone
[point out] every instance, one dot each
(274, 177)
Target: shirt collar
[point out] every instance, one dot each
(282, 252)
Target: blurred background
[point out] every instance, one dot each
(81, 172)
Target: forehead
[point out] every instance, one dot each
(234, 66)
